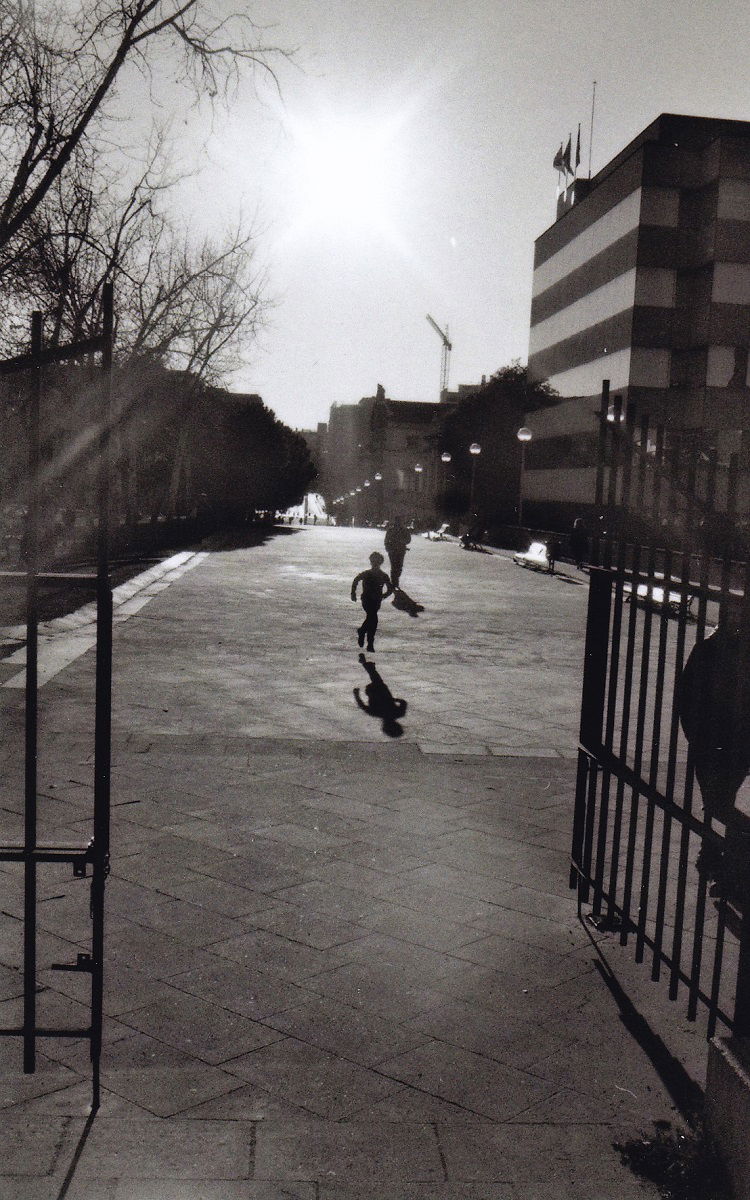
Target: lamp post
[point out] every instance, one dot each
(417, 486)
(474, 450)
(378, 477)
(445, 458)
(524, 435)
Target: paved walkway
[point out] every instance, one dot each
(339, 964)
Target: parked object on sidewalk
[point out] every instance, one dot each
(380, 701)
(656, 595)
(438, 535)
(537, 557)
(472, 540)
(376, 587)
(397, 538)
(405, 603)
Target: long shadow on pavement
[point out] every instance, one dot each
(246, 537)
(80, 1147)
(687, 1095)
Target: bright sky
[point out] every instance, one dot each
(407, 169)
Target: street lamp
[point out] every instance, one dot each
(524, 435)
(378, 477)
(474, 450)
(445, 458)
(613, 415)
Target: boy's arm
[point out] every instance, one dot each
(355, 581)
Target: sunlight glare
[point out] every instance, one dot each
(347, 172)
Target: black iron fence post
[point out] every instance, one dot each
(31, 711)
(35, 576)
(103, 711)
(592, 711)
(738, 854)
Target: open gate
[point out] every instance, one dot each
(669, 564)
(31, 854)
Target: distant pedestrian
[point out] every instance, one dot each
(397, 538)
(554, 550)
(579, 543)
(376, 587)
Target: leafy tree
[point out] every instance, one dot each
(491, 417)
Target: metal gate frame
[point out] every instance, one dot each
(96, 853)
(667, 538)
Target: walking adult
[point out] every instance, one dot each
(397, 538)
(579, 543)
(713, 702)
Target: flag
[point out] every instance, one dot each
(566, 157)
(557, 161)
(578, 147)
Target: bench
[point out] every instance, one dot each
(656, 595)
(537, 557)
(438, 535)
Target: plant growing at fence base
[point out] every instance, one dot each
(684, 1165)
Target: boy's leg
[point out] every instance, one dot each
(362, 630)
(371, 624)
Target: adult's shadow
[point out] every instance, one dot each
(380, 702)
(405, 603)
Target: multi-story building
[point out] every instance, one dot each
(386, 453)
(644, 280)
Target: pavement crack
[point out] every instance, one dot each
(443, 1163)
(253, 1136)
(60, 1142)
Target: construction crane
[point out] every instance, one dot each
(445, 360)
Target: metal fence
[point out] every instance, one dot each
(662, 861)
(31, 853)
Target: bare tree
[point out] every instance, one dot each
(192, 307)
(58, 73)
(188, 304)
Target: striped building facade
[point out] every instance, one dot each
(644, 279)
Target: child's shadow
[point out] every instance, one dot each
(380, 702)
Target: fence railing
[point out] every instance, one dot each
(661, 843)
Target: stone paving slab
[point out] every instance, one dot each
(348, 1152)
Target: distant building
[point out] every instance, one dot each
(316, 439)
(643, 279)
(461, 392)
(388, 449)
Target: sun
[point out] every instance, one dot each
(346, 171)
